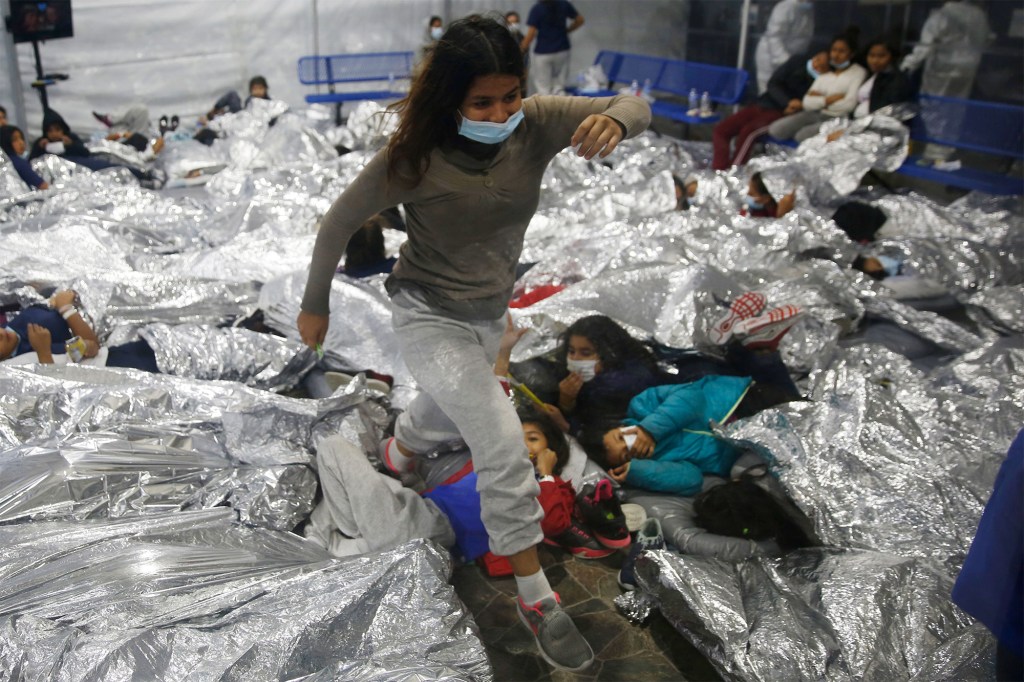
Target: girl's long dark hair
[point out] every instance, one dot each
(615, 347)
(471, 47)
(7, 138)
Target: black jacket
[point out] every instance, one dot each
(76, 148)
(891, 86)
(789, 81)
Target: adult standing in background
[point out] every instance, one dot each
(953, 39)
(550, 22)
(789, 32)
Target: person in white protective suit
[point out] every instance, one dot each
(789, 32)
(953, 39)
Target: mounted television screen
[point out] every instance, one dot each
(40, 20)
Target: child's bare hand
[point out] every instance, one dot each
(545, 462)
(644, 445)
(619, 473)
(570, 386)
(39, 338)
(511, 336)
(557, 417)
(62, 298)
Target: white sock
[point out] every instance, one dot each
(395, 456)
(533, 588)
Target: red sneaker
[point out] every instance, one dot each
(576, 540)
(765, 331)
(749, 305)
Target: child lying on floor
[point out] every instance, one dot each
(665, 443)
(47, 330)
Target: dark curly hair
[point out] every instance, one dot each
(743, 509)
(615, 347)
(554, 436)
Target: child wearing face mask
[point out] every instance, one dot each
(666, 444)
(605, 367)
(12, 141)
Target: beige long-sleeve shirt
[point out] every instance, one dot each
(845, 83)
(466, 219)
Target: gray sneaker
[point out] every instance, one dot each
(558, 640)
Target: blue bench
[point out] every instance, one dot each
(355, 69)
(984, 127)
(972, 125)
(723, 84)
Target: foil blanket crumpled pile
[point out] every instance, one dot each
(146, 516)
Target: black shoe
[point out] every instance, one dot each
(163, 125)
(174, 122)
(103, 118)
(602, 513)
(576, 540)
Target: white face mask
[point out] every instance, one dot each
(585, 368)
(436, 32)
(513, 27)
(628, 438)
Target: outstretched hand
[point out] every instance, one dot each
(511, 335)
(597, 135)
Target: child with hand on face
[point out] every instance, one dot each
(665, 443)
(605, 366)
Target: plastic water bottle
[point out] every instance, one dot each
(635, 87)
(705, 104)
(646, 92)
(694, 102)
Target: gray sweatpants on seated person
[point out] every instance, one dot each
(798, 126)
(453, 363)
(368, 506)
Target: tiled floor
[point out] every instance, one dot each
(624, 651)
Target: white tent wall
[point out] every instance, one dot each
(179, 57)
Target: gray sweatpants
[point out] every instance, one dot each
(366, 505)
(798, 126)
(452, 360)
(550, 72)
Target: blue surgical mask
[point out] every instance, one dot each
(753, 204)
(804, 6)
(811, 70)
(840, 66)
(436, 32)
(487, 132)
(891, 266)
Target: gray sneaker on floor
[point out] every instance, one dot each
(560, 643)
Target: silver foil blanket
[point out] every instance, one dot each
(827, 614)
(893, 467)
(228, 354)
(195, 596)
(79, 442)
(158, 503)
